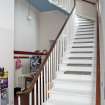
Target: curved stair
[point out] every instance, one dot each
(74, 81)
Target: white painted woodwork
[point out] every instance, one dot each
(35, 94)
(19, 100)
(30, 98)
(39, 90)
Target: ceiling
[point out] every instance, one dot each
(43, 5)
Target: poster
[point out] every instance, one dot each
(3, 87)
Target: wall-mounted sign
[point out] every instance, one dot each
(4, 88)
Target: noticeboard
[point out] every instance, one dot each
(4, 88)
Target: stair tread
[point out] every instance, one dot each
(79, 64)
(72, 77)
(84, 38)
(73, 82)
(79, 49)
(86, 25)
(84, 35)
(73, 86)
(85, 28)
(84, 21)
(68, 91)
(81, 18)
(71, 91)
(83, 41)
(62, 103)
(82, 46)
(78, 72)
(78, 34)
(68, 99)
(76, 52)
(80, 58)
(85, 31)
(64, 68)
(76, 61)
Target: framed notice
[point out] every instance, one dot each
(4, 88)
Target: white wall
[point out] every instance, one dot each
(86, 10)
(6, 41)
(26, 32)
(50, 25)
(102, 49)
(34, 34)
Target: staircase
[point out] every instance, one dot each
(70, 74)
(74, 80)
(63, 4)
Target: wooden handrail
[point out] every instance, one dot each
(29, 89)
(85, 18)
(30, 53)
(21, 57)
(98, 88)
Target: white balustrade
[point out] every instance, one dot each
(35, 94)
(63, 4)
(45, 84)
(39, 90)
(47, 87)
(42, 87)
(19, 100)
(30, 98)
